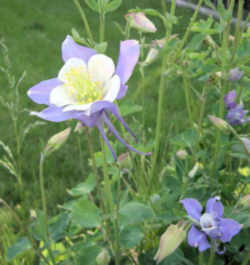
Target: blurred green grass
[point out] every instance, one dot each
(33, 32)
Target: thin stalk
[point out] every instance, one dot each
(164, 6)
(246, 260)
(238, 30)
(188, 97)
(44, 206)
(161, 104)
(212, 254)
(102, 20)
(85, 21)
(201, 258)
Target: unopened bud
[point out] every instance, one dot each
(79, 127)
(170, 241)
(33, 214)
(56, 141)
(218, 122)
(245, 201)
(195, 169)
(103, 258)
(154, 50)
(246, 142)
(139, 21)
(182, 154)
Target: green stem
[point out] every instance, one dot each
(212, 255)
(201, 258)
(102, 20)
(85, 21)
(44, 206)
(161, 103)
(246, 260)
(238, 28)
(188, 97)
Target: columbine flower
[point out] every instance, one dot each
(86, 87)
(209, 224)
(139, 21)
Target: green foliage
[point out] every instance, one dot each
(18, 248)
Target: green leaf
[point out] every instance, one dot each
(187, 138)
(135, 212)
(58, 226)
(38, 228)
(88, 254)
(128, 109)
(101, 47)
(85, 214)
(112, 6)
(84, 187)
(18, 248)
(92, 4)
(131, 236)
(196, 42)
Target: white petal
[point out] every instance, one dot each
(71, 63)
(78, 107)
(100, 68)
(112, 87)
(59, 97)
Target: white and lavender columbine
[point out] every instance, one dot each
(236, 114)
(209, 224)
(87, 86)
(235, 74)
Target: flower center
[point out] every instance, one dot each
(81, 87)
(207, 222)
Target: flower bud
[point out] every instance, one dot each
(218, 122)
(56, 141)
(182, 154)
(170, 241)
(103, 258)
(139, 21)
(246, 142)
(245, 201)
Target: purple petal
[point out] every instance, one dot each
(103, 134)
(228, 229)
(101, 105)
(89, 121)
(56, 114)
(71, 49)
(229, 99)
(114, 110)
(215, 207)
(193, 208)
(41, 91)
(128, 57)
(198, 239)
(122, 92)
(117, 135)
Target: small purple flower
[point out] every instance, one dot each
(235, 74)
(237, 115)
(230, 98)
(86, 88)
(209, 224)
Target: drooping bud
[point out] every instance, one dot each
(182, 154)
(103, 258)
(194, 170)
(218, 122)
(154, 50)
(139, 21)
(56, 141)
(170, 241)
(246, 142)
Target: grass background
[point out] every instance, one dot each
(33, 32)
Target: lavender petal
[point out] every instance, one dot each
(198, 239)
(71, 49)
(228, 229)
(117, 135)
(215, 207)
(41, 91)
(103, 134)
(193, 208)
(128, 57)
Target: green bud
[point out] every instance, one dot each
(56, 141)
(103, 258)
(170, 241)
